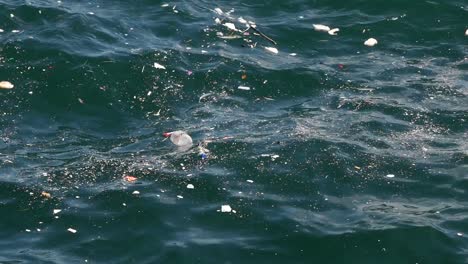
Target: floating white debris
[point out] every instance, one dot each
(218, 11)
(245, 88)
(466, 32)
(56, 211)
(459, 234)
(136, 192)
(6, 85)
(334, 31)
(190, 186)
(90, 13)
(158, 66)
(241, 20)
(164, 5)
(27, 230)
(226, 208)
(250, 181)
(272, 50)
(71, 230)
(273, 157)
(1, 30)
(180, 197)
(15, 31)
(231, 26)
(217, 21)
(371, 42)
(390, 176)
(204, 51)
(12, 15)
(318, 27)
(293, 54)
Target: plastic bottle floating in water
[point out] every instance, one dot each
(179, 138)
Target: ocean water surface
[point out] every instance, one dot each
(316, 149)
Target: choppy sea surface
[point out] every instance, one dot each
(326, 151)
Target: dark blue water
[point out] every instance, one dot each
(335, 153)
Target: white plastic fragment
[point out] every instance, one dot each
(242, 20)
(466, 32)
(245, 88)
(164, 5)
(6, 85)
(217, 21)
(71, 230)
(231, 26)
(371, 42)
(390, 176)
(136, 192)
(180, 197)
(218, 11)
(250, 181)
(56, 211)
(272, 50)
(190, 186)
(12, 15)
(226, 208)
(15, 31)
(334, 31)
(459, 234)
(1, 30)
(293, 54)
(158, 66)
(319, 27)
(27, 230)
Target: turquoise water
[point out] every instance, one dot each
(335, 153)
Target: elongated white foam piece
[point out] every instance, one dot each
(226, 208)
(272, 50)
(159, 66)
(319, 27)
(6, 85)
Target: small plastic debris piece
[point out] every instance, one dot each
(217, 21)
(136, 192)
(241, 20)
(319, 27)
(459, 234)
(6, 85)
(80, 100)
(231, 26)
(226, 208)
(357, 167)
(334, 31)
(390, 176)
(56, 211)
(190, 186)
(46, 195)
(15, 31)
(130, 178)
(158, 66)
(293, 54)
(12, 15)
(466, 32)
(179, 138)
(1, 30)
(71, 230)
(164, 5)
(218, 11)
(245, 88)
(27, 230)
(250, 181)
(272, 50)
(244, 76)
(371, 42)
(180, 197)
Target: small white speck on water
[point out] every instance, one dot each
(135, 192)
(390, 176)
(71, 230)
(190, 186)
(250, 181)
(226, 208)
(180, 197)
